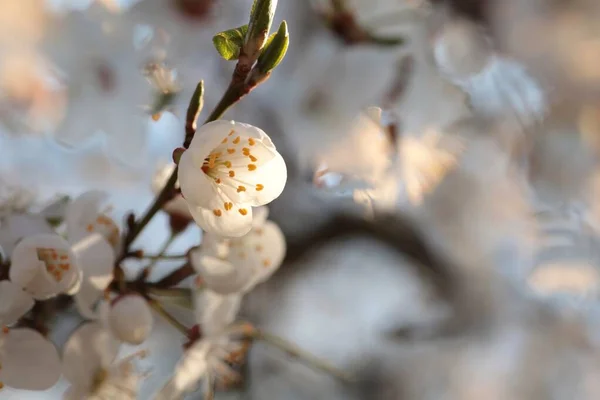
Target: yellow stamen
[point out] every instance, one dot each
(231, 133)
(156, 117)
(243, 211)
(217, 212)
(224, 140)
(231, 173)
(236, 140)
(241, 189)
(252, 158)
(251, 167)
(228, 206)
(231, 151)
(228, 164)
(251, 142)
(266, 262)
(259, 187)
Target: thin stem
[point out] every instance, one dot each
(156, 306)
(178, 275)
(210, 387)
(161, 253)
(306, 357)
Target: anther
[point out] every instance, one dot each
(243, 211)
(217, 212)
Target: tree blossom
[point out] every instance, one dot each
(96, 259)
(130, 319)
(44, 266)
(236, 265)
(497, 86)
(208, 360)
(229, 168)
(89, 214)
(27, 359)
(361, 167)
(89, 365)
(576, 279)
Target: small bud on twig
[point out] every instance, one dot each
(193, 111)
(275, 50)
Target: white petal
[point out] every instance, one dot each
(96, 258)
(261, 185)
(29, 361)
(230, 223)
(215, 312)
(15, 227)
(190, 369)
(577, 279)
(14, 303)
(83, 211)
(29, 272)
(89, 348)
(196, 187)
(130, 319)
(263, 248)
(222, 276)
(260, 215)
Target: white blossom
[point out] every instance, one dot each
(130, 318)
(90, 214)
(44, 266)
(236, 265)
(229, 168)
(207, 360)
(96, 259)
(27, 360)
(89, 365)
(496, 85)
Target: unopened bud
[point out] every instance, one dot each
(275, 50)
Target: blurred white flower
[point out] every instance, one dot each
(89, 365)
(236, 265)
(106, 86)
(425, 161)
(209, 360)
(130, 319)
(214, 312)
(44, 266)
(15, 227)
(14, 197)
(497, 86)
(28, 361)
(88, 214)
(229, 168)
(96, 259)
(575, 279)
(14, 303)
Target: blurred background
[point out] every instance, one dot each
(487, 149)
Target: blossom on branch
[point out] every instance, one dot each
(229, 168)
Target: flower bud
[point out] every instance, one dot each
(130, 319)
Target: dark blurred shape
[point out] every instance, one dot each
(194, 9)
(475, 10)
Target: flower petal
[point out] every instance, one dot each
(83, 211)
(15, 227)
(31, 273)
(89, 348)
(96, 258)
(221, 276)
(233, 222)
(29, 361)
(263, 248)
(215, 312)
(14, 303)
(197, 188)
(130, 319)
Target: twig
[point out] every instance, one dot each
(164, 257)
(296, 352)
(172, 279)
(156, 306)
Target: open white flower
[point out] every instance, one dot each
(229, 168)
(236, 265)
(89, 214)
(44, 266)
(89, 365)
(208, 360)
(214, 312)
(96, 259)
(27, 360)
(130, 319)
